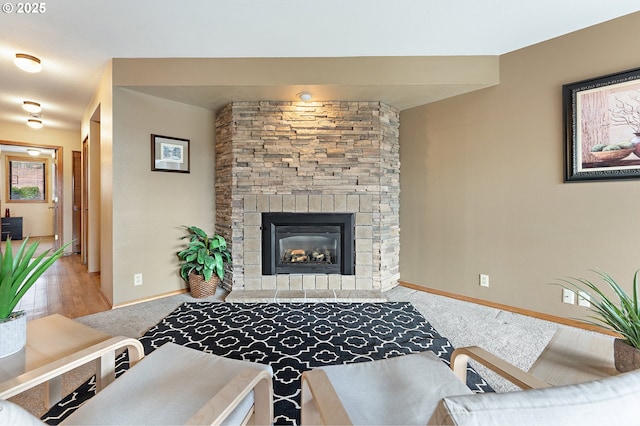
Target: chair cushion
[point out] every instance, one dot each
(606, 401)
(168, 386)
(13, 414)
(400, 390)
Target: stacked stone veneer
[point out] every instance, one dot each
(309, 157)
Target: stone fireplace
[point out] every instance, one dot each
(317, 157)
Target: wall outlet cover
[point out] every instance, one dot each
(484, 280)
(584, 299)
(568, 296)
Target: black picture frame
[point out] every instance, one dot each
(599, 113)
(169, 154)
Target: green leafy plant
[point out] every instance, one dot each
(204, 254)
(26, 193)
(20, 271)
(621, 315)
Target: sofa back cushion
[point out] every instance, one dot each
(606, 401)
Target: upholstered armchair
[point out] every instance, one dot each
(421, 389)
(174, 385)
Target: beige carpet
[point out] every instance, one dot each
(515, 338)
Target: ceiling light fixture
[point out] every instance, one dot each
(35, 122)
(305, 96)
(30, 106)
(27, 63)
(33, 152)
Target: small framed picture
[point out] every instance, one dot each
(169, 154)
(602, 127)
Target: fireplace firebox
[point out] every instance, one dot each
(311, 243)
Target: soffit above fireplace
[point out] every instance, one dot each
(402, 82)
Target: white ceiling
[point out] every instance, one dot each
(76, 38)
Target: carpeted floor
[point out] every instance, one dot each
(292, 337)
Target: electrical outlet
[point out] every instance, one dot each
(137, 279)
(584, 299)
(568, 296)
(484, 280)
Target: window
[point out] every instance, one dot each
(26, 180)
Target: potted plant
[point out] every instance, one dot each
(203, 261)
(17, 274)
(620, 314)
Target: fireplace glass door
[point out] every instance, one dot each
(315, 248)
(308, 243)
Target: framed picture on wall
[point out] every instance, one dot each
(602, 127)
(169, 154)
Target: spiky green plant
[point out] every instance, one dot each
(18, 273)
(621, 315)
(204, 254)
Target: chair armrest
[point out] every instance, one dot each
(326, 400)
(103, 351)
(460, 358)
(218, 408)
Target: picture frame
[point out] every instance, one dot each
(602, 127)
(169, 154)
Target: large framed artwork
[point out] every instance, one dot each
(602, 127)
(169, 154)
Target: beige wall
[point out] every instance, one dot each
(38, 219)
(149, 207)
(482, 182)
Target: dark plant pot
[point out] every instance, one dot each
(200, 288)
(625, 356)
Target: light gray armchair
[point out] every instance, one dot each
(421, 389)
(174, 385)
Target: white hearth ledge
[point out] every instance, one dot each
(277, 296)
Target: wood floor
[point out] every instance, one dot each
(65, 288)
(44, 243)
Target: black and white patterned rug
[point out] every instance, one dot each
(292, 338)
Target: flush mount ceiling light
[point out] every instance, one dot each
(31, 106)
(35, 122)
(33, 152)
(305, 96)
(27, 63)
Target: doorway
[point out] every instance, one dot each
(76, 215)
(39, 219)
(91, 197)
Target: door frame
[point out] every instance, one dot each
(76, 203)
(84, 231)
(58, 185)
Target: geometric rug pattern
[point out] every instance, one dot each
(292, 338)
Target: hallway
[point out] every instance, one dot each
(65, 288)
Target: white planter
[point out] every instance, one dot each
(13, 333)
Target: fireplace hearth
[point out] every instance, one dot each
(311, 243)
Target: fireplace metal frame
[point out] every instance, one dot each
(346, 222)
